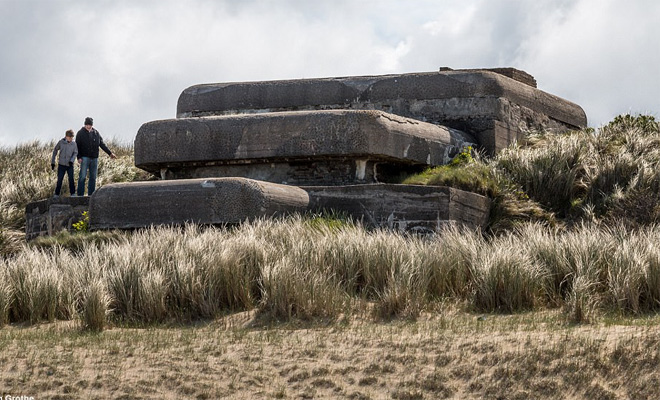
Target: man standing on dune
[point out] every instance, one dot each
(89, 140)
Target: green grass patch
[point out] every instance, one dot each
(474, 177)
(77, 241)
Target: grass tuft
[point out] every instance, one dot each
(95, 305)
(6, 295)
(290, 290)
(506, 279)
(582, 302)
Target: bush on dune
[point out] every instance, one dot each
(611, 175)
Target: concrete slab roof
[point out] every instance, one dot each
(286, 136)
(201, 201)
(359, 91)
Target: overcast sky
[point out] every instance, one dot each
(126, 62)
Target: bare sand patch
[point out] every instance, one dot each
(457, 356)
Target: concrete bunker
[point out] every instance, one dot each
(242, 150)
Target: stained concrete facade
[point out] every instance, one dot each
(494, 108)
(298, 148)
(200, 201)
(405, 208)
(50, 216)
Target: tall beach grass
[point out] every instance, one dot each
(291, 269)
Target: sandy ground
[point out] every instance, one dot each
(453, 356)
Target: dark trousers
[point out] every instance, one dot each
(68, 170)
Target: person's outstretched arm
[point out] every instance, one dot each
(105, 148)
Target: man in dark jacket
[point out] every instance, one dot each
(89, 140)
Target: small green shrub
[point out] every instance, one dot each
(83, 224)
(645, 123)
(463, 158)
(333, 221)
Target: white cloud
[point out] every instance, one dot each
(125, 63)
(603, 55)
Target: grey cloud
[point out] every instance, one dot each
(125, 63)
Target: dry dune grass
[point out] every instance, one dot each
(162, 275)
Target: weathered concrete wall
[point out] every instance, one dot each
(47, 217)
(406, 208)
(200, 201)
(234, 200)
(472, 101)
(328, 171)
(311, 147)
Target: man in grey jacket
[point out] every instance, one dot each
(68, 152)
